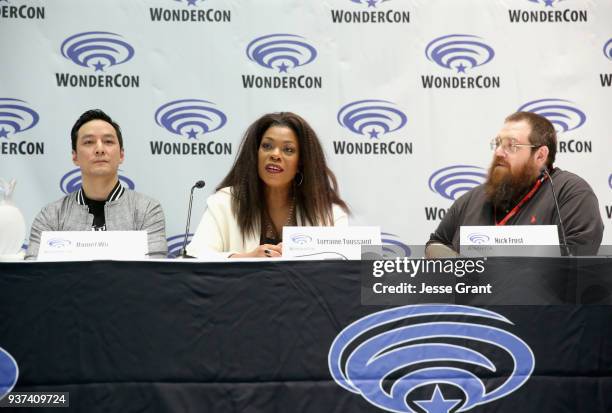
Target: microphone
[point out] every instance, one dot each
(552, 188)
(199, 184)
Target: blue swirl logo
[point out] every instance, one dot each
(16, 117)
(453, 181)
(301, 239)
(370, 3)
(188, 2)
(9, 372)
(393, 247)
(547, 3)
(71, 181)
(281, 51)
(98, 50)
(561, 113)
(607, 49)
(190, 117)
(175, 244)
(371, 117)
(459, 52)
(385, 362)
(610, 181)
(478, 238)
(58, 243)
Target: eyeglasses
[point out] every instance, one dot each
(509, 145)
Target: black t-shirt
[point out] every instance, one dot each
(96, 208)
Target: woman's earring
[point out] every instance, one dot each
(298, 180)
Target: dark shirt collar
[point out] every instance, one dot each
(115, 194)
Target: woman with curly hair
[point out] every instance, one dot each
(280, 178)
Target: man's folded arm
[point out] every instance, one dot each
(155, 225)
(445, 232)
(43, 222)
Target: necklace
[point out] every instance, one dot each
(270, 231)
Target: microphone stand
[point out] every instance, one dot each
(199, 184)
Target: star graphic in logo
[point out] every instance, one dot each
(549, 3)
(3, 132)
(371, 3)
(192, 134)
(373, 134)
(99, 66)
(191, 2)
(461, 68)
(282, 68)
(437, 403)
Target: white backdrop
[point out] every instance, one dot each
(363, 65)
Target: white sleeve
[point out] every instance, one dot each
(340, 217)
(209, 235)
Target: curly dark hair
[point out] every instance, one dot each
(314, 196)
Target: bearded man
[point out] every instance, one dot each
(517, 190)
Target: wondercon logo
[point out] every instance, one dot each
(607, 49)
(400, 361)
(453, 181)
(188, 2)
(190, 117)
(459, 51)
(9, 371)
(561, 113)
(393, 247)
(16, 117)
(281, 51)
(371, 117)
(98, 50)
(72, 181)
(58, 243)
(547, 3)
(477, 238)
(301, 239)
(175, 244)
(370, 3)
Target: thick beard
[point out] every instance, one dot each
(505, 187)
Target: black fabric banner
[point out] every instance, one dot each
(255, 337)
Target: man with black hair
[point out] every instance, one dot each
(517, 191)
(102, 203)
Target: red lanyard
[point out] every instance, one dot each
(518, 206)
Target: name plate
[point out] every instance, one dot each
(92, 245)
(319, 243)
(509, 240)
